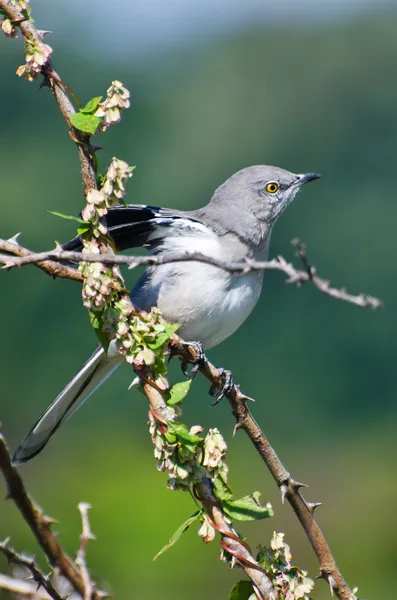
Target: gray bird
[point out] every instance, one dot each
(207, 302)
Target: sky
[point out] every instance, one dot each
(147, 26)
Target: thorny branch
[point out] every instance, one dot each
(205, 494)
(53, 81)
(49, 262)
(40, 524)
(261, 582)
(21, 587)
(39, 578)
(52, 268)
(86, 536)
(289, 488)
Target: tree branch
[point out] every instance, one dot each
(205, 494)
(28, 562)
(289, 488)
(34, 517)
(22, 588)
(49, 260)
(54, 82)
(40, 524)
(86, 536)
(52, 268)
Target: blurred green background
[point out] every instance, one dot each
(314, 95)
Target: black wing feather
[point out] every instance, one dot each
(132, 226)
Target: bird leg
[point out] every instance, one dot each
(199, 360)
(225, 381)
(222, 387)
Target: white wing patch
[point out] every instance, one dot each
(184, 235)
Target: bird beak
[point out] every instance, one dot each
(306, 177)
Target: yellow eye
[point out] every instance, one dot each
(272, 187)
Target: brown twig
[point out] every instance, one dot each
(40, 579)
(52, 268)
(87, 164)
(47, 261)
(85, 537)
(22, 588)
(204, 493)
(362, 300)
(289, 488)
(54, 82)
(40, 524)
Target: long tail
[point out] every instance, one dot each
(88, 379)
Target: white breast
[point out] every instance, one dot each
(209, 303)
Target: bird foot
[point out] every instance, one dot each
(224, 386)
(196, 364)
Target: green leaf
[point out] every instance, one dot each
(96, 320)
(85, 123)
(103, 339)
(71, 217)
(84, 228)
(242, 590)
(163, 337)
(247, 508)
(91, 106)
(170, 437)
(184, 527)
(183, 434)
(170, 328)
(222, 491)
(178, 392)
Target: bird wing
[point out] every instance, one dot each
(151, 227)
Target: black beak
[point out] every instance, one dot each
(306, 177)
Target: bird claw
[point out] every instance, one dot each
(222, 387)
(227, 383)
(196, 364)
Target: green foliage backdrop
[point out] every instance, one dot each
(323, 372)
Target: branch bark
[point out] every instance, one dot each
(54, 82)
(49, 260)
(22, 588)
(289, 488)
(40, 524)
(204, 493)
(86, 536)
(52, 268)
(41, 580)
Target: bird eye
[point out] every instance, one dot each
(272, 187)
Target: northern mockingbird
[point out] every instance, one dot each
(208, 303)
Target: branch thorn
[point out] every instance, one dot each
(332, 584)
(14, 238)
(136, 381)
(297, 484)
(50, 520)
(237, 426)
(313, 505)
(283, 490)
(243, 398)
